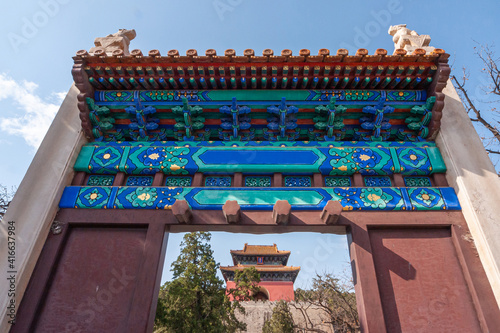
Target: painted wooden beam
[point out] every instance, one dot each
(263, 198)
(186, 159)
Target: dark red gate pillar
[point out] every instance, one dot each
(419, 279)
(96, 278)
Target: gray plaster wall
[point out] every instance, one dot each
(36, 201)
(256, 313)
(472, 175)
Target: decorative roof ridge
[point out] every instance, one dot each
(266, 254)
(260, 267)
(342, 55)
(256, 248)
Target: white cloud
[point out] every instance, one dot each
(36, 113)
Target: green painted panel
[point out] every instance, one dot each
(83, 161)
(258, 95)
(123, 161)
(436, 160)
(258, 197)
(395, 160)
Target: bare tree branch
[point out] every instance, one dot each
(335, 297)
(471, 107)
(491, 87)
(491, 68)
(6, 196)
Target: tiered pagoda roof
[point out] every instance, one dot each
(260, 249)
(267, 259)
(269, 253)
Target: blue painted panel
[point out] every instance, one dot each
(69, 196)
(406, 199)
(247, 156)
(450, 198)
(186, 160)
(213, 198)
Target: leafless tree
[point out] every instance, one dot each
(5, 198)
(481, 102)
(335, 296)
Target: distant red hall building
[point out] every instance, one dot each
(276, 278)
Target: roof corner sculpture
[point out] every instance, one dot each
(118, 41)
(409, 40)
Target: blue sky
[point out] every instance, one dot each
(40, 37)
(313, 252)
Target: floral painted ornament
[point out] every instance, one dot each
(142, 197)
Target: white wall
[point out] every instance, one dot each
(472, 175)
(35, 204)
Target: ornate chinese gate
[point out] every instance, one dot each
(244, 143)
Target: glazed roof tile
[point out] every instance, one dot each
(174, 73)
(230, 56)
(259, 249)
(305, 71)
(262, 268)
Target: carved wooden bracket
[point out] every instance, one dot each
(331, 213)
(232, 211)
(281, 212)
(182, 212)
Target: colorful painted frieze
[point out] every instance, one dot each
(300, 198)
(236, 115)
(187, 160)
(330, 144)
(124, 96)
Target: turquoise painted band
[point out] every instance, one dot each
(203, 198)
(123, 96)
(187, 160)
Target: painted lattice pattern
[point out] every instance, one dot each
(296, 181)
(100, 180)
(257, 181)
(337, 181)
(377, 181)
(140, 181)
(418, 181)
(178, 181)
(218, 181)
